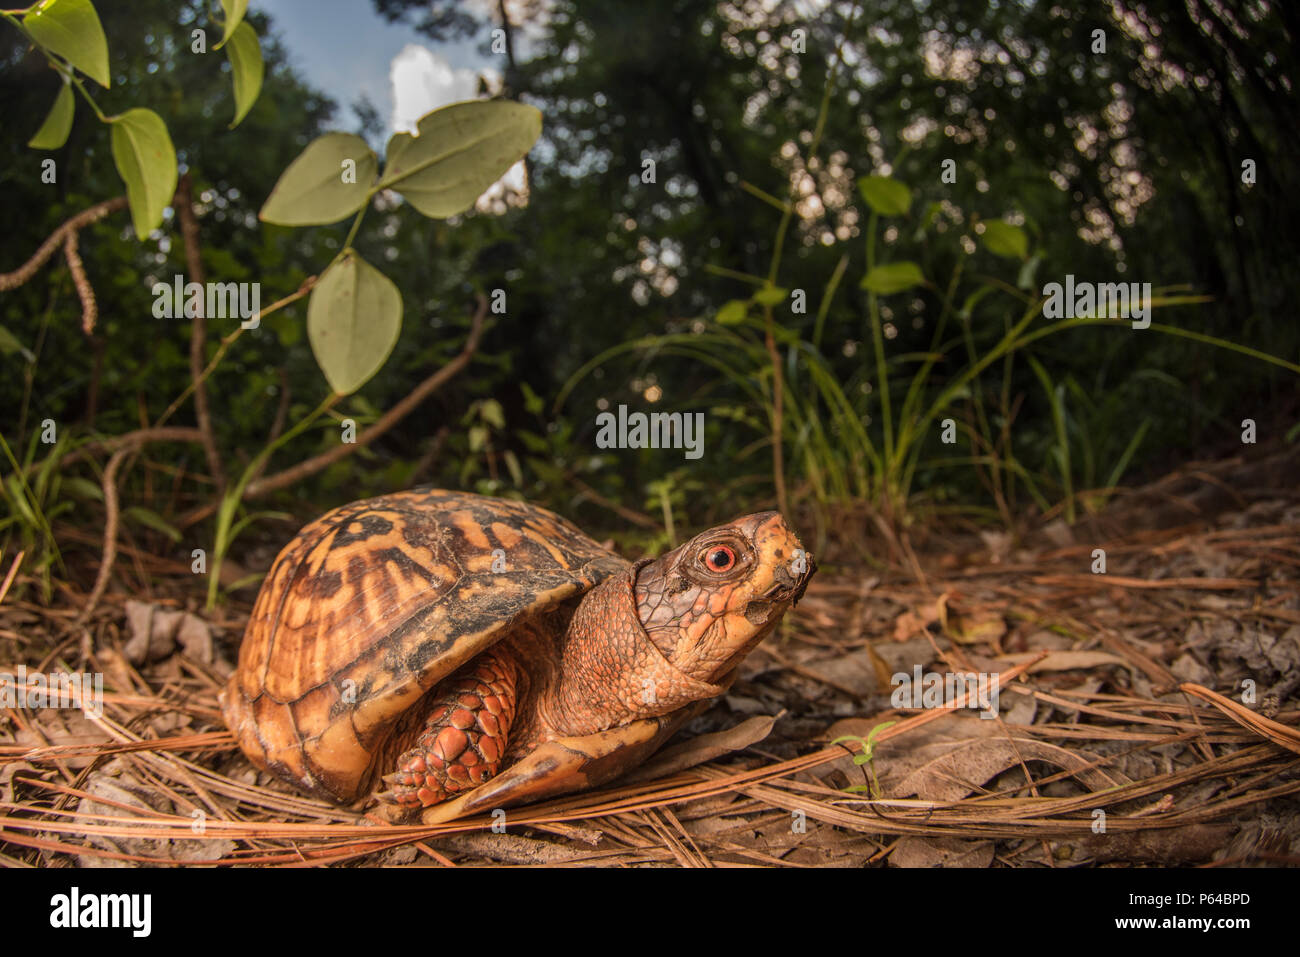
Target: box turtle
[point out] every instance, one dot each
(474, 653)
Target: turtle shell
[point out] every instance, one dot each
(374, 603)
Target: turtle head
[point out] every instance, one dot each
(707, 603)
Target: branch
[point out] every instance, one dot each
(174, 433)
(12, 280)
(184, 203)
(385, 422)
(85, 292)
(109, 554)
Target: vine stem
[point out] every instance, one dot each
(227, 342)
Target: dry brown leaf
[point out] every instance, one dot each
(117, 783)
(155, 632)
(941, 852)
(951, 770)
(1066, 660)
(706, 747)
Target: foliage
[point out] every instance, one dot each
(831, 233)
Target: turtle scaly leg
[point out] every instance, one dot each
(464, 736)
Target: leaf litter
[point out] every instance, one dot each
(1148, 715)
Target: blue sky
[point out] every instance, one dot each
(344, 48)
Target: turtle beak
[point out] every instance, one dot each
(789, 585)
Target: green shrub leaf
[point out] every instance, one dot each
(886, 195)
(330, 179)
(151, 519)
(771, 296)
(462, 149)
(58, 124)
(234, 11)
(9, 344)
(1027, 271)
(733, 313)
(71, 28)
(1006, 240)
(146, 161)
(893, 277)
(353, 318)
(246, 69)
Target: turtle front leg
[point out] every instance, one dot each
(464, 736)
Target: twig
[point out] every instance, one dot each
(633, 516)
(85, 292)
(109, 486)
(381, 425)
(277, 424)
(9, 579)
(124, 445)
(184, 203)
(12, 280)
(384, 422)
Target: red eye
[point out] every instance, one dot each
(719, 558)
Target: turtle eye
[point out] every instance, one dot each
(719, 558)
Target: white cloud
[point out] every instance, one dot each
(423, 81)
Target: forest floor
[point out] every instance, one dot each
(1149, 714)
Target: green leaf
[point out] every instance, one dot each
(246, 581)
(80, 487)
(733, 313)
(353, 318)
(492, 413)
(533, 403)
(151, 519)
(9, 344)
(893, 277)
(71, 28)
(234, 11)
(886, 195)
(246, 69)
(146, 161)
(1006, 240)
(1025, 280)
(58, 124)
(461, 150)
(313, 191)
(512, 463)
(771, 296)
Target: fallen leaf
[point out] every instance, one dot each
(705, 747)
(914, 851)
(952, 770)
(1065, 660)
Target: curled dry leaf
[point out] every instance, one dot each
(706, 747)
(155, 632)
